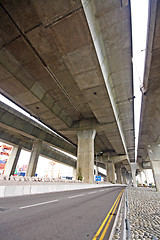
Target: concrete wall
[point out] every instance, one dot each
(19, 190)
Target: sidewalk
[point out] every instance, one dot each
(143, 215)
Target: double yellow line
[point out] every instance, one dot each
(111, 212)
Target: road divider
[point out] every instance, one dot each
(39, 188)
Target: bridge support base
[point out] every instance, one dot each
(119, 173)
(12, 161)
(31, 170)
(110, 172)
(154, 155)
(85, 157)
(133, 171)
(124, 176)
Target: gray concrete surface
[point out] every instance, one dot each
(66, 215)
(143, 215)
(9, 188)
(66, 64)
(149, 141)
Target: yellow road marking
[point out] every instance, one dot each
(106, 227)
(105, 220)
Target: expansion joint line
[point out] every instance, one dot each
(104, 226)
(44, 64)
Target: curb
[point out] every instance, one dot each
(117, 216)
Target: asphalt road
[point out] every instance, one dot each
(71, 215)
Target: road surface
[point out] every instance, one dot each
(70, 215)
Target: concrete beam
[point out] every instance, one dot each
(46, 150)
(57, 156)
(88, 124)
(99, 164)
(146, 165)
(115, 159)
(26, 126)
(89, 9)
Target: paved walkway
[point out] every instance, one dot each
(143, 215)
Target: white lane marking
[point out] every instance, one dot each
(80, 195)
(101, 190)
(92, 192)
(37, 204)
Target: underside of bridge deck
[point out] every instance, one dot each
(68, 63)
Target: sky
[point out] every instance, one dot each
(139, 32)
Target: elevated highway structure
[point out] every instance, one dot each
(149, 140)
(69, 64)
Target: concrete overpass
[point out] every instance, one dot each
(21, 137)
(69, 65)
(149, 141)
(27, 131)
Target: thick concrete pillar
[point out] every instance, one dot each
(74, 173)
(133, 172)
(85, 157)
(128, 178)
(12, 161)
(110, 172)
(154, 155)
(31, 170)
(119, 172)
(149, 176)
(124, 177)
(141, 177)
(107, 175)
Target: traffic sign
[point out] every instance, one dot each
(98, 178)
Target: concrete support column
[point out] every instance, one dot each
(12, 161)
(110, 172)
(149, 176)
(74, 173)
(31, 170)
(154, 155)
(119, 172)
(133, 172)
(124, 177)
(96, 171)
(128, 178)
(141, 180)
(85, 158)
(107, 175)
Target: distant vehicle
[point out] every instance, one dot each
(70, 178)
